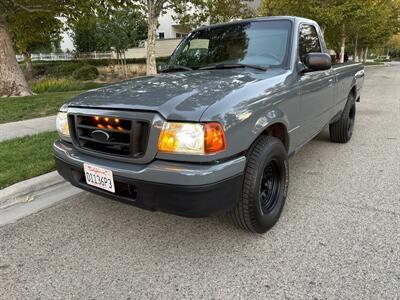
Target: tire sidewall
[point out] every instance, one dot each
(350, 103)
(273, 151)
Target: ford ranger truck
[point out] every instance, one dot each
(212, 132)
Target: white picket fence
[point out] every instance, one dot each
(67, 56)
(164, 48)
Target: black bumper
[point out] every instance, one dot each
(183, 200)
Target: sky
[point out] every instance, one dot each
(66, 42)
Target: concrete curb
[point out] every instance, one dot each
(24, 191)
(45, 198)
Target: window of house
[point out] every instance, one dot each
(308, 41)
(161, 35)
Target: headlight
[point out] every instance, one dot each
(62, 123)
(192, 138)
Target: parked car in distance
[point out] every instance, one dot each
(213, 131)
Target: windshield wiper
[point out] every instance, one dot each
(229, 66)
(174, 68)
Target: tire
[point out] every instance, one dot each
(341, 131)
(265, 186)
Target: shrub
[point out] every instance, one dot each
(62, 85)
(54, 68)
(56, 85)
(108, 62)
(66, 68)
(62, 69)
(87, 72)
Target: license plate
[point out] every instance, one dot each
(99, 177)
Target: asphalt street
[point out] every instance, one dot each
(338, 237)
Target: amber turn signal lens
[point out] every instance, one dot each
(214, 138)
(168, 141)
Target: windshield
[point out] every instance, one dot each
(263, 43)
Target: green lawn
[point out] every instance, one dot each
(26, 157)
(23, 108)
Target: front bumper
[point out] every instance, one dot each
(192, 190)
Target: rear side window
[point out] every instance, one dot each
(308, 41)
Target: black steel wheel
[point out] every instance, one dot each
(270, 186)
(265, 186)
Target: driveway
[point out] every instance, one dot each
(338, 237)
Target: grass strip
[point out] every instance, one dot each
(27, 157)
(24, 108)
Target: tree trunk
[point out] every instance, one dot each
(362, 55)
(151, 67)
(356, 49)
(12, 80)
(366, 55)
(29, 66)
(343, 44)
(125, 65)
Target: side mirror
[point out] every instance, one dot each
(318, 61)
(161, 67)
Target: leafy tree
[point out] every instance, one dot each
(212, 11)
(34, 32)
(84, 34)
(110, 29)
(152, 10)
(12, 81)
(367, 23)
(121, 29)
(394, 45)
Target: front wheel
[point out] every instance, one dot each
(265, 186)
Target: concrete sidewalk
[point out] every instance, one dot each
(27, 127)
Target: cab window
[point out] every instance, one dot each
(308, 41)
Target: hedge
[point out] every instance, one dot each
(66, 68)
(87, 72)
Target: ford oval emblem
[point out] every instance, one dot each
(100, 135)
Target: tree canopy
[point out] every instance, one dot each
(117, 29)
(200, 12)
(360, 23)
(25, 25)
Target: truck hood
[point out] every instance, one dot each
(176, 96)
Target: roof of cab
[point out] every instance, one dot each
(288, 18)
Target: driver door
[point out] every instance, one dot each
(316, 87)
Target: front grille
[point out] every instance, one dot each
(109, 135)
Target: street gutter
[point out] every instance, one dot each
(33, 195)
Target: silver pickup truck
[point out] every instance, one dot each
(213, 131)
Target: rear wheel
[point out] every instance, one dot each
(342, 130)
(265, 186)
